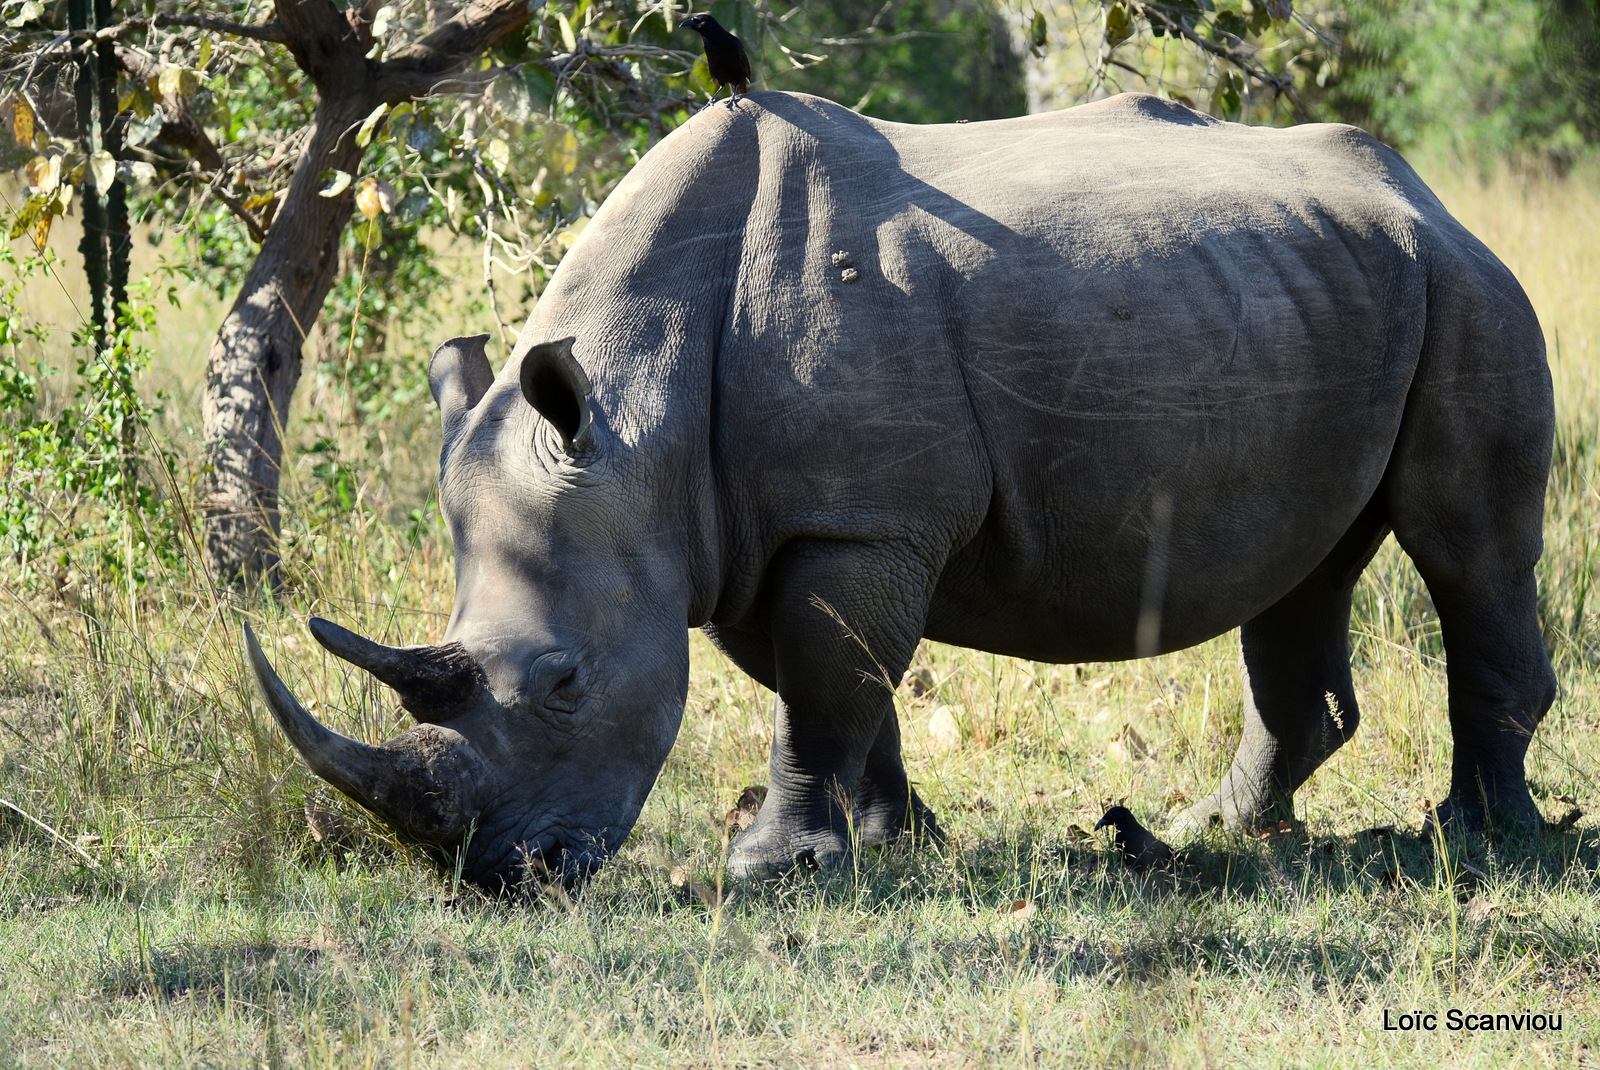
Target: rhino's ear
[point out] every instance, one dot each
(459, 375)
(556, 385)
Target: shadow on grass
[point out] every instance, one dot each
(1228, 905)
(1342, 911)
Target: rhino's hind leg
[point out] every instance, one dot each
(1299, 701)
(1466, 497)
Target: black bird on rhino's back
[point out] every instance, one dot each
(725, 55)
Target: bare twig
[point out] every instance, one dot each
(1238, 58)
(68, 844)
(266, 31)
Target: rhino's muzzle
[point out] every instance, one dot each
(434, 683)
(423, 783)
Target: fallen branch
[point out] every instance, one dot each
(68, 844)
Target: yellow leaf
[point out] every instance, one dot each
(102, 171)
(569, 237)
(499, 154)
(22, 124)
(177, 83)
(561, 151)
(260, 200)
(41, 232)
(44, 174)
(568, 38)
(204, 58)
(337, 183)
(374, 198)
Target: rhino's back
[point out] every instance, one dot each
(1183, 340)
(1022, 344)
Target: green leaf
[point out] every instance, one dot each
(102, 171)
(1118, 25)
(25, 219)
(27, 11)
(337, 183)
(136, 172)
(369, 124)
(413, 205)
(146, 128)
(1229, 24)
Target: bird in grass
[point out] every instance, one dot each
(1139, 846)
(725, 56)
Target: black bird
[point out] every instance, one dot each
(725, 55)
(1139, 846)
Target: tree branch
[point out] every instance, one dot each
(1241, 60)
(178, 126)
(266, 31)
(323, 44)
(439, 57)
(236, 206)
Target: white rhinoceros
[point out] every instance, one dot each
(1080, 386)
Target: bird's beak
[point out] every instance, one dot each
(685, 24)
(1104, 821)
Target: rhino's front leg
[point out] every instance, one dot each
(886, 805)
(845, 620)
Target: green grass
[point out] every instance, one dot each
(183, 913)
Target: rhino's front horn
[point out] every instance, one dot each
(434, 683)
(423, 783)
(357, 769)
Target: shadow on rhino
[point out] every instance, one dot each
(1084, 386)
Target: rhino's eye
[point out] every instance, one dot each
(563, 698)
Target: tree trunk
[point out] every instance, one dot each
(254, 364)
(255, 360)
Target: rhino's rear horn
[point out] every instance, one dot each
(434, 683)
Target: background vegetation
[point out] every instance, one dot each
(175, 889)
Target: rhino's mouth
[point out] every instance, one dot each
(527, 865)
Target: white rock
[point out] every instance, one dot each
(944, 730)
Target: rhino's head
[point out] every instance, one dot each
(545, 715)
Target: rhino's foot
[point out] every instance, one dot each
(772, 852)
(1508, 811)
(1240, 811)
(882, 819)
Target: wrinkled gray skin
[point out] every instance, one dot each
(1103, 383)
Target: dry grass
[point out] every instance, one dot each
(213, 929)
